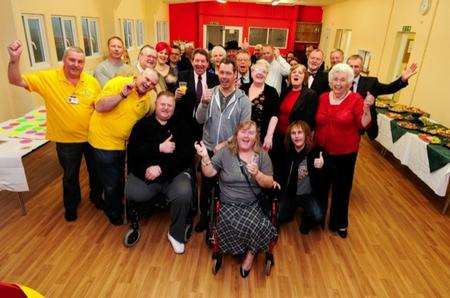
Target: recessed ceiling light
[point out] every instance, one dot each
(275, 2)
(222, 1)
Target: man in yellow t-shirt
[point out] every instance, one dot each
(69, 96)
(122, 102)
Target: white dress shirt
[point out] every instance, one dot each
(277, 69)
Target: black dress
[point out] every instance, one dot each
(264, 107)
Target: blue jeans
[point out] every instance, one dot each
(111, 170)
(313, 213)
(70, 156)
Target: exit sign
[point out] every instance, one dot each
(406, 29)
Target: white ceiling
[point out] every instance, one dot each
(282, 2)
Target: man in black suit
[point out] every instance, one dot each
(362, 85)
(243, 66)
(198, 80)
(318, 79)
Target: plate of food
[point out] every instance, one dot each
(398, 108)
(382, 104)
(432, 129)
(443, 132)
(430, 139)
(394, 116)
(407, 125)
(415, 111)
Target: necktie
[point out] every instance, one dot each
(199, 89)
(352, 88)
(242, 80)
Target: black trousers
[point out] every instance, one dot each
(338, 176)
(70, 156)
(111, 170)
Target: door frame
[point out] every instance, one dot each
(225, 27)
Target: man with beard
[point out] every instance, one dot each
(122, 102)
(69, 94)
(220, 111)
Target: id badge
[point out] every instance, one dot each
(74, 100)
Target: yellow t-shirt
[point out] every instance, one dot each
(110, 130)
(69, 107)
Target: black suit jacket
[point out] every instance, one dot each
(372, 85)
(320, 83)
(186, 106)
(305, 107)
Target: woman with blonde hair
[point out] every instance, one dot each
(243, 171)
(217, 54)
(265, 102)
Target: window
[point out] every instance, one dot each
(128, 33)
(257, 36)
(272, 36)
(278, 37)
(139, 33)
(162, 31)
(36, 42)
(90, 36)
(64, 34)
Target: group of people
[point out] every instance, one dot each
(250, 132)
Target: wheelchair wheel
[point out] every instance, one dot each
(269, 263)
(188, 232)
(131, 237)
(217, 264)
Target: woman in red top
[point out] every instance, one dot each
(298, 103)
(340, 116)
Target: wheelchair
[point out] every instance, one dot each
(270, 209)
(134, 211)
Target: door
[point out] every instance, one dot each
(404, 44)
(219, 35)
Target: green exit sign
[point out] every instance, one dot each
(406, 29)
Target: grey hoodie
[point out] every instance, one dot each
(219, 126)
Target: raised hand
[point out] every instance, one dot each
(369, 100)
(206, 96)
(167, 146)
(201, 149)
(318, 162)
(409, 72)
(153, 172)
(126, 90)
(245, 44)
(15, 50)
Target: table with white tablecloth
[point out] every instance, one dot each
(412, 152)
(18, 138)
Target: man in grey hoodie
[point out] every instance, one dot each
(222, 108)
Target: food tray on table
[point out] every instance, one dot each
(430, 139)
(398, 108)
(394, 116)
(407, 125)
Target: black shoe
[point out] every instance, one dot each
(304, 228)
(99, 203)
(116, 220)
(244, 273)
(201, 225)
(70, 214)
(342, 233)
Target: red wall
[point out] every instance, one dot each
(187, 20)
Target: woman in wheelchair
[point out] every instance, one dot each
(243, 169)
(299, 178)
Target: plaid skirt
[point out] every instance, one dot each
(243, 228)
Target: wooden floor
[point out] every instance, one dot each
(398, 245)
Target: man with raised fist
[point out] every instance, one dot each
(69, 94)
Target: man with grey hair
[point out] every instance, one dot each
(69, 95)
(363, 84)
(336, 56)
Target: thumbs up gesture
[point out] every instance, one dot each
(167, 146)
(201, 149)
(318, 162)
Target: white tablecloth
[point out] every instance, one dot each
(412, 152)
(12, 149)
